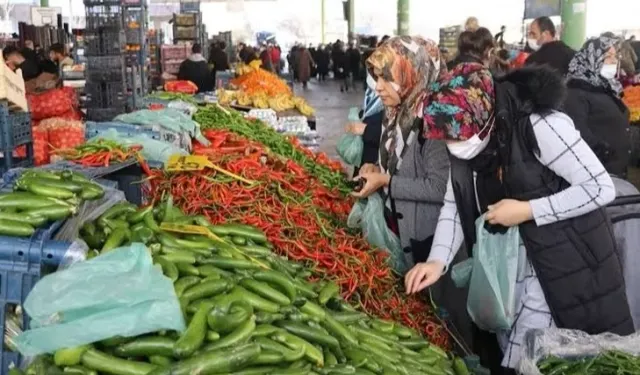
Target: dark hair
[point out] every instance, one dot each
(8, 51)
(475, 42)
(545, 24)
(222, 45)
(197, 48)
(57, 48)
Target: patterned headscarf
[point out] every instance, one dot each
(587, 64)
(410, 64)
(460, 104)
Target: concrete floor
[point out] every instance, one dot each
(332, 108)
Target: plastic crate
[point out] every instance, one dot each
(103, 114)
(15, 132)
(104, 42)
(105, 68)
(92, 3)
(186, 32)
(171, 67)
(134, 36)
(102, 17)
(105, 94)
(171, 52)
(186, 19)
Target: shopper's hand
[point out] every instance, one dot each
(509, 213)
(356, 128)
(422, 276)
(369, 168)
(374, 182)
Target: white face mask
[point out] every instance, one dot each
(533, 44)
(469, 149)
(609, 71)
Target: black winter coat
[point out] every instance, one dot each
(603, 122)
(556, 54)
(576, 260)
(197, 72)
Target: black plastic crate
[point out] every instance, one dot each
(104, 42)
(104, 114)
(103, 17)
(16, 128)
(105, 68)
(105, 94)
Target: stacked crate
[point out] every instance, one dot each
(155, 38)
(104, 39)
(135, 14)
(449, 39)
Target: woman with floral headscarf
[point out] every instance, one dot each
(594, 103)
(520, 162)
(411, 172)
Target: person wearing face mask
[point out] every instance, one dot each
(546, 49)
(411, 171)
(518, 160)
(595, 106)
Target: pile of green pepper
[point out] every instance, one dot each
(41, 197)
(608, 363)
(214, 117)
(248, 311)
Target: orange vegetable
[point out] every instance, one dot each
(632, 100)
(261, 81)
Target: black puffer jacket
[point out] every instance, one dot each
(575, 259)
(556, 55)
(603, 121)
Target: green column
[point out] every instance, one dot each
(44, 3)
(322, 19)
(350, 22)
(403, 17)
(574, 22)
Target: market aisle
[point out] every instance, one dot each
(332, 109)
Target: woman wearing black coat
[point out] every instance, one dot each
(595, 106)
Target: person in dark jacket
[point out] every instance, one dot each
(548, 50)
(323, 61)
(339, 58)
(196, 70)
(218, 58)
(265, 57)
(594, 103)
(527, 167)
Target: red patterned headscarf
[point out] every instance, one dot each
(460, 104)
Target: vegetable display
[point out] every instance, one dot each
(608, 363)
(41, 197)
(328, 172)
(304, 221)
(99, 153)
(261, 81)
(248, 310)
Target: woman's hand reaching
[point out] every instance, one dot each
(369, 168)
(374, 181)
(422, 276)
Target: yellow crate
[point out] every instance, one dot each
(12, 88)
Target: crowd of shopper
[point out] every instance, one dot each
(538, 148)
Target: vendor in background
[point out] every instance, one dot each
(58, 54)
(527, 167)
(265, 57)
(196, 70)
(411, 171)
(16, 60)
(546, 49)
(218, 59)
(594, 103)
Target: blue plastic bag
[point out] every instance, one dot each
(491, 275)
(152, 149)
(368, 215)
(120, 293)
(351, 146)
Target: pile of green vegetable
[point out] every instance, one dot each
(41, 197)
(248, 311)
(215, 117)
(608, 363)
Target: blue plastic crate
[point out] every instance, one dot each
(15, 131)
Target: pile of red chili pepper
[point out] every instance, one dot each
(99, 153)
(303, 219)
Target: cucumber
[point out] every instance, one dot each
(15, 228)
(49, 191)
(102, 362)
(35, 221)
(52, 213)
(214, 362)
(146, 346)
(24, 181)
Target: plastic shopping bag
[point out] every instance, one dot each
(350, 146)
(83, 304)
(491, 275)
(368, 215)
